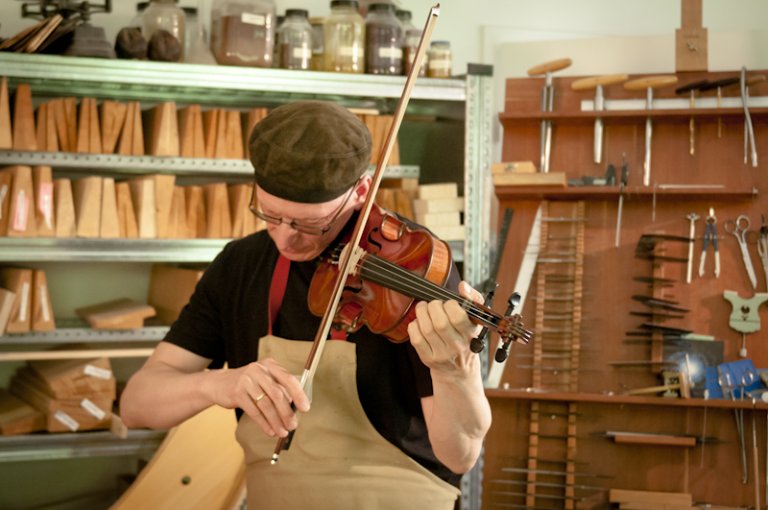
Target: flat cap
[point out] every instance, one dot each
(309, 151)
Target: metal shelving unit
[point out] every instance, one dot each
(467, 99)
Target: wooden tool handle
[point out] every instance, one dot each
(696, 85)
(594, 81)
(650, 82)
(654, 439)
(757, 78)
(549, 67)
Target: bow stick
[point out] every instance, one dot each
(349, 256)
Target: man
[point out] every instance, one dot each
(390, 424)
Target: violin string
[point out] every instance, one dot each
(388, 273)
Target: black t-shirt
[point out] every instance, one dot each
(227, 315)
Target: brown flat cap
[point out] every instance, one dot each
(309, 151)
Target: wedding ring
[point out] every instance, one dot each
(260, 397)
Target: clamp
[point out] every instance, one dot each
(710, 236)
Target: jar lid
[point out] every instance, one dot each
(440, 43)
(381, 7)
(403, 15)
(191, 11)
(343, 3)
(297, 12)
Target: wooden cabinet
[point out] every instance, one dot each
(567, 412)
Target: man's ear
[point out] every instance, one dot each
(361, 190)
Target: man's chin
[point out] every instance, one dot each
(298, 256)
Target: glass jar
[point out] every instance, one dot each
(164, 15)
(344, 38)
(196, 50)
(317, 24)
(243, 32)
(411, 38)
(138, 19)
(383, 40)
(295, 39)
(440, 60)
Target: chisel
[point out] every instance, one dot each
(547, 105)
(691, 88)
(719, 85)
(598, 83)
(648, 84)
(749, 131)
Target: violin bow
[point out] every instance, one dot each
(348, 256)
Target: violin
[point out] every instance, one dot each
(394, 267)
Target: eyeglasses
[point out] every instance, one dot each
(300, 227)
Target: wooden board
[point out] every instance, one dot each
(218, 222)
(191, 139)
(73, 378)
(126, 214)
(112, 115)
(19, 282)
(123, 313)
(7, 299)
(109, 224)
(196, 212)
(21, 213)
(202, 450)
(65, 208)
(143, 198)
(18, 417)
(6, 129)
(45, 217)
(162, 130)
(87, 197)
(6, 181)
(42, 311)
(24, 135)
(164, 184)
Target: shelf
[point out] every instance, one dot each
(614, 399)
(678, 192)
(70, 331)
(78, 445)
(590, 116)
(219, 85)
(144, 164)
(48, 249)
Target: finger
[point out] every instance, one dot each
(249, 407)
(292, 387)
(460, 321)
(273, 401)
(469, 292)
(416, 335)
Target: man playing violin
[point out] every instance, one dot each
(389, 423)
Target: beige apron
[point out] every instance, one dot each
(337, 459)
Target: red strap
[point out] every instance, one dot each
(277, 288)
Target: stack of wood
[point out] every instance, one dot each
(72, 395)
(170, 287)
(651, 500)
(438, 207)
(146, 207)
(113, 127)
(122, 313)
(39, 36)
(397, 195)
(25, 301)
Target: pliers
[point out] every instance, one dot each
(762, 247)
(710, 235)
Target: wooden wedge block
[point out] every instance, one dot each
(24, 135)
(42, 180)
(250, 119)
(56, 109)
(65, 219)
(234, 136)
(87, 195)
(404, 203)
(143, 197)
(162, 130)
(42, 312)
(239, 196)
(6, 130)
(441, 219)
(132, 135)
(88, 131)
(18, 417)
(170, 288)
(6, 179)
(438, 190)
(109, 225)
(121, 313)
(126, 214)
(211, 119)
(21, 213)
(51, 136)
(196, 215)
(191, 139)
(218, 220)
(7, 299)
(436, 205)
(42, 125)
(72, 378)
(177, 219)
(64, 415)
(19, 282)
(164, 184)
(112, 115)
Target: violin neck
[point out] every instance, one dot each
(388, 274)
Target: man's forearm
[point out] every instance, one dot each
(160, 396)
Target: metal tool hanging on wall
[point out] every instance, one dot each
(740, 229)
(547, 105)
(749, 129)
(691, 89)
(598, 83)
(648, 84)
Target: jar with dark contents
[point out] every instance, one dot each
(243, 32)
(440, 60)
(317, 23)
(295, 40)
(344, 38)
(383, 40)
(411, 38)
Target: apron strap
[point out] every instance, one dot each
(277, 292)
(277, 288)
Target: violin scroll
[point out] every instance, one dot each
(511, 329)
